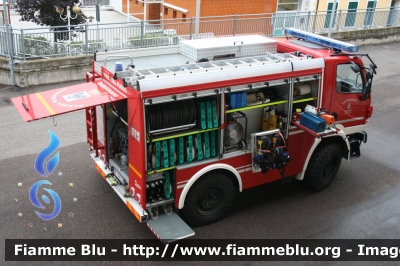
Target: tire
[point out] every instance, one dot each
(323, 166)
(208, 200)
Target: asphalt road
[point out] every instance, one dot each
(363, 202)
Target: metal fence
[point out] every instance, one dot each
(343, 20)
(85, 39)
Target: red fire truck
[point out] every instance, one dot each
(176, 131)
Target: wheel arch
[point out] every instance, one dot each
(231, 172)
(337, 138)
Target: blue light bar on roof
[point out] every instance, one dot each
(314, 38)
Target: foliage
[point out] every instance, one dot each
(145, 36)
(153, 40)
(41, 46)
(37, 45)
(79, 47)
(43, 12)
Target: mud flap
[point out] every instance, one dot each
(355, 142)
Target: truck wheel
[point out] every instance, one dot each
(208, 200)
(323, 166)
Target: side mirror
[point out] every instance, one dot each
(373, 67)
(354, 67)
(367, 86)
(368, 75)
(366, 91)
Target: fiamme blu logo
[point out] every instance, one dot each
(45, 166)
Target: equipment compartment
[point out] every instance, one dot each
(256, 100)
(116, 134)
(182, 131)
(170, 116)
(159, 189)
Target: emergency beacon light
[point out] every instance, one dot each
(314, 38)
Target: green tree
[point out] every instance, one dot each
(52, 13)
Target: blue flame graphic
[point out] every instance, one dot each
(45, 153)
(35, 201)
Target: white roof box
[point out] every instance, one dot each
(237, 46)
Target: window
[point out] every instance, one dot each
(351, 14)
(287, 5)
(166, 11)
(329, 14)
(347, 81)
(183, 17)
(174, 14)
(369, 16)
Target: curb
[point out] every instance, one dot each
(4, 87)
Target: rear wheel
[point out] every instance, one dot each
(323, 166)
(208, 200)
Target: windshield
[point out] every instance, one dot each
(347, 81)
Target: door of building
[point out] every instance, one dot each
(351, 14)
(369, 16)
(328, 15)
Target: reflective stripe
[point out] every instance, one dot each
(51, 111)
(100, 171)
(134, 170)
(350, 120)
(130, 207)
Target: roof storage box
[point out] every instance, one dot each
(237, 46)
